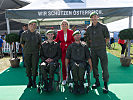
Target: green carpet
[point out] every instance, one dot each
(13, 85)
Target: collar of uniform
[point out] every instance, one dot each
(51, 42)
(77, 44)
(31, 32)
(96, 24)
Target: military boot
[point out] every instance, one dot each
(50, 87)
(105, 89)
(45, 85)
(81, 88)
(75, 90)
(97, 84)
(30, 82)
(34, 82)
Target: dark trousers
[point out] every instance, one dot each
(78, 71)
(101, 54)
(31, 63)
(48, 69)
(123, 48)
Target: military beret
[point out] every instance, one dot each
(76, 32)
(32, 21)
(93, 13)
(50, 31)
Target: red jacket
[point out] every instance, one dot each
(121, 41)
(60, 37)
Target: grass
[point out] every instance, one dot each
(117, 51)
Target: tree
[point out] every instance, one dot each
(126, 34)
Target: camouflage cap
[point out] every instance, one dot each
(50, 31)
(76, 32)
(32, 21)
(93, 13)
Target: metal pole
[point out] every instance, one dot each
(129, 41)
(39, 27)
(8, 26)
(8, 31)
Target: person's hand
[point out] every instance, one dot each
(107, 40)
(50, 60)
(47, 60)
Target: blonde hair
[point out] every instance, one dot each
(65, 22)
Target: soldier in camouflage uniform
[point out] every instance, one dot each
(50, 53)
(31, 42)
(98, 35)
(78, 54)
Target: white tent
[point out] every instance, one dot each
(55, 10)
(74, 4)
(119, 25)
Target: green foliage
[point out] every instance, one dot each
(12, 37)
(42, 32)
(126, 34)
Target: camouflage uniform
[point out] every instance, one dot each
(78, 54)
(96, 35)
(53, 51)
(31, 41)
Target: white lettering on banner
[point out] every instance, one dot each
(68, 13)
(42, 13)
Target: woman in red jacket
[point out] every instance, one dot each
(65, 37)
(123, 45)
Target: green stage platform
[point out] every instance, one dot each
(13, 85)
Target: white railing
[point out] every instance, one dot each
(6, 47)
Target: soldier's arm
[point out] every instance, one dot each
(87, 38)
(58, 53)
(42, 54)
(40, 40)
(87, 54)
(106, 34)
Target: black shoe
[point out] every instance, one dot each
(105, 89)
(75, 89)
(50, 87)
(30, 82)
(45, 86)
(81, 89)
(24, 66)
(29, 85)
(34, 85)
(34, 82)
(97, 84)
